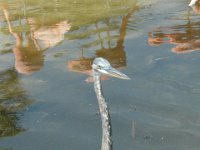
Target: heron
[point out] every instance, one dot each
(101, 66)
(193, 2)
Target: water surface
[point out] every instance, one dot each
(47, 99)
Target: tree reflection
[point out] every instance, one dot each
(109, 43)
(13, 99)
(110, 39)
(37, 26)
(186, 37)
(31, 44)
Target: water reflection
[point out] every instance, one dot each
(30, 45)
(35, 34)
(33, 27)
(48, 36)
(185, 37)
(13, 99)
(111, 46)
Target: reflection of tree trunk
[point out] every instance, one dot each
(17, 36)
(116, 55)
(107, 21)
(6, 14)
(99, 35)
(122, 31)
(28, 58)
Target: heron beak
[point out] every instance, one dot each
(115, 73)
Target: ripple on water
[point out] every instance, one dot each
(161, 121)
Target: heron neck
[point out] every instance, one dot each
(104, 112)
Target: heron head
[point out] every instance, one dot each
(102, 66)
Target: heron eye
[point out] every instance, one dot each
(99, 66)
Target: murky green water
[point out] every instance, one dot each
(47, 101)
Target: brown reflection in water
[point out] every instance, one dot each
(185, 37)
(13, 100)
(48, 36)
(115, 55)
(83, 65)
(30, 45)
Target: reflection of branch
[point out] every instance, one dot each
(35, 42)
(5, 12)
(99, 35)
(115, 55)
(108, 35)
